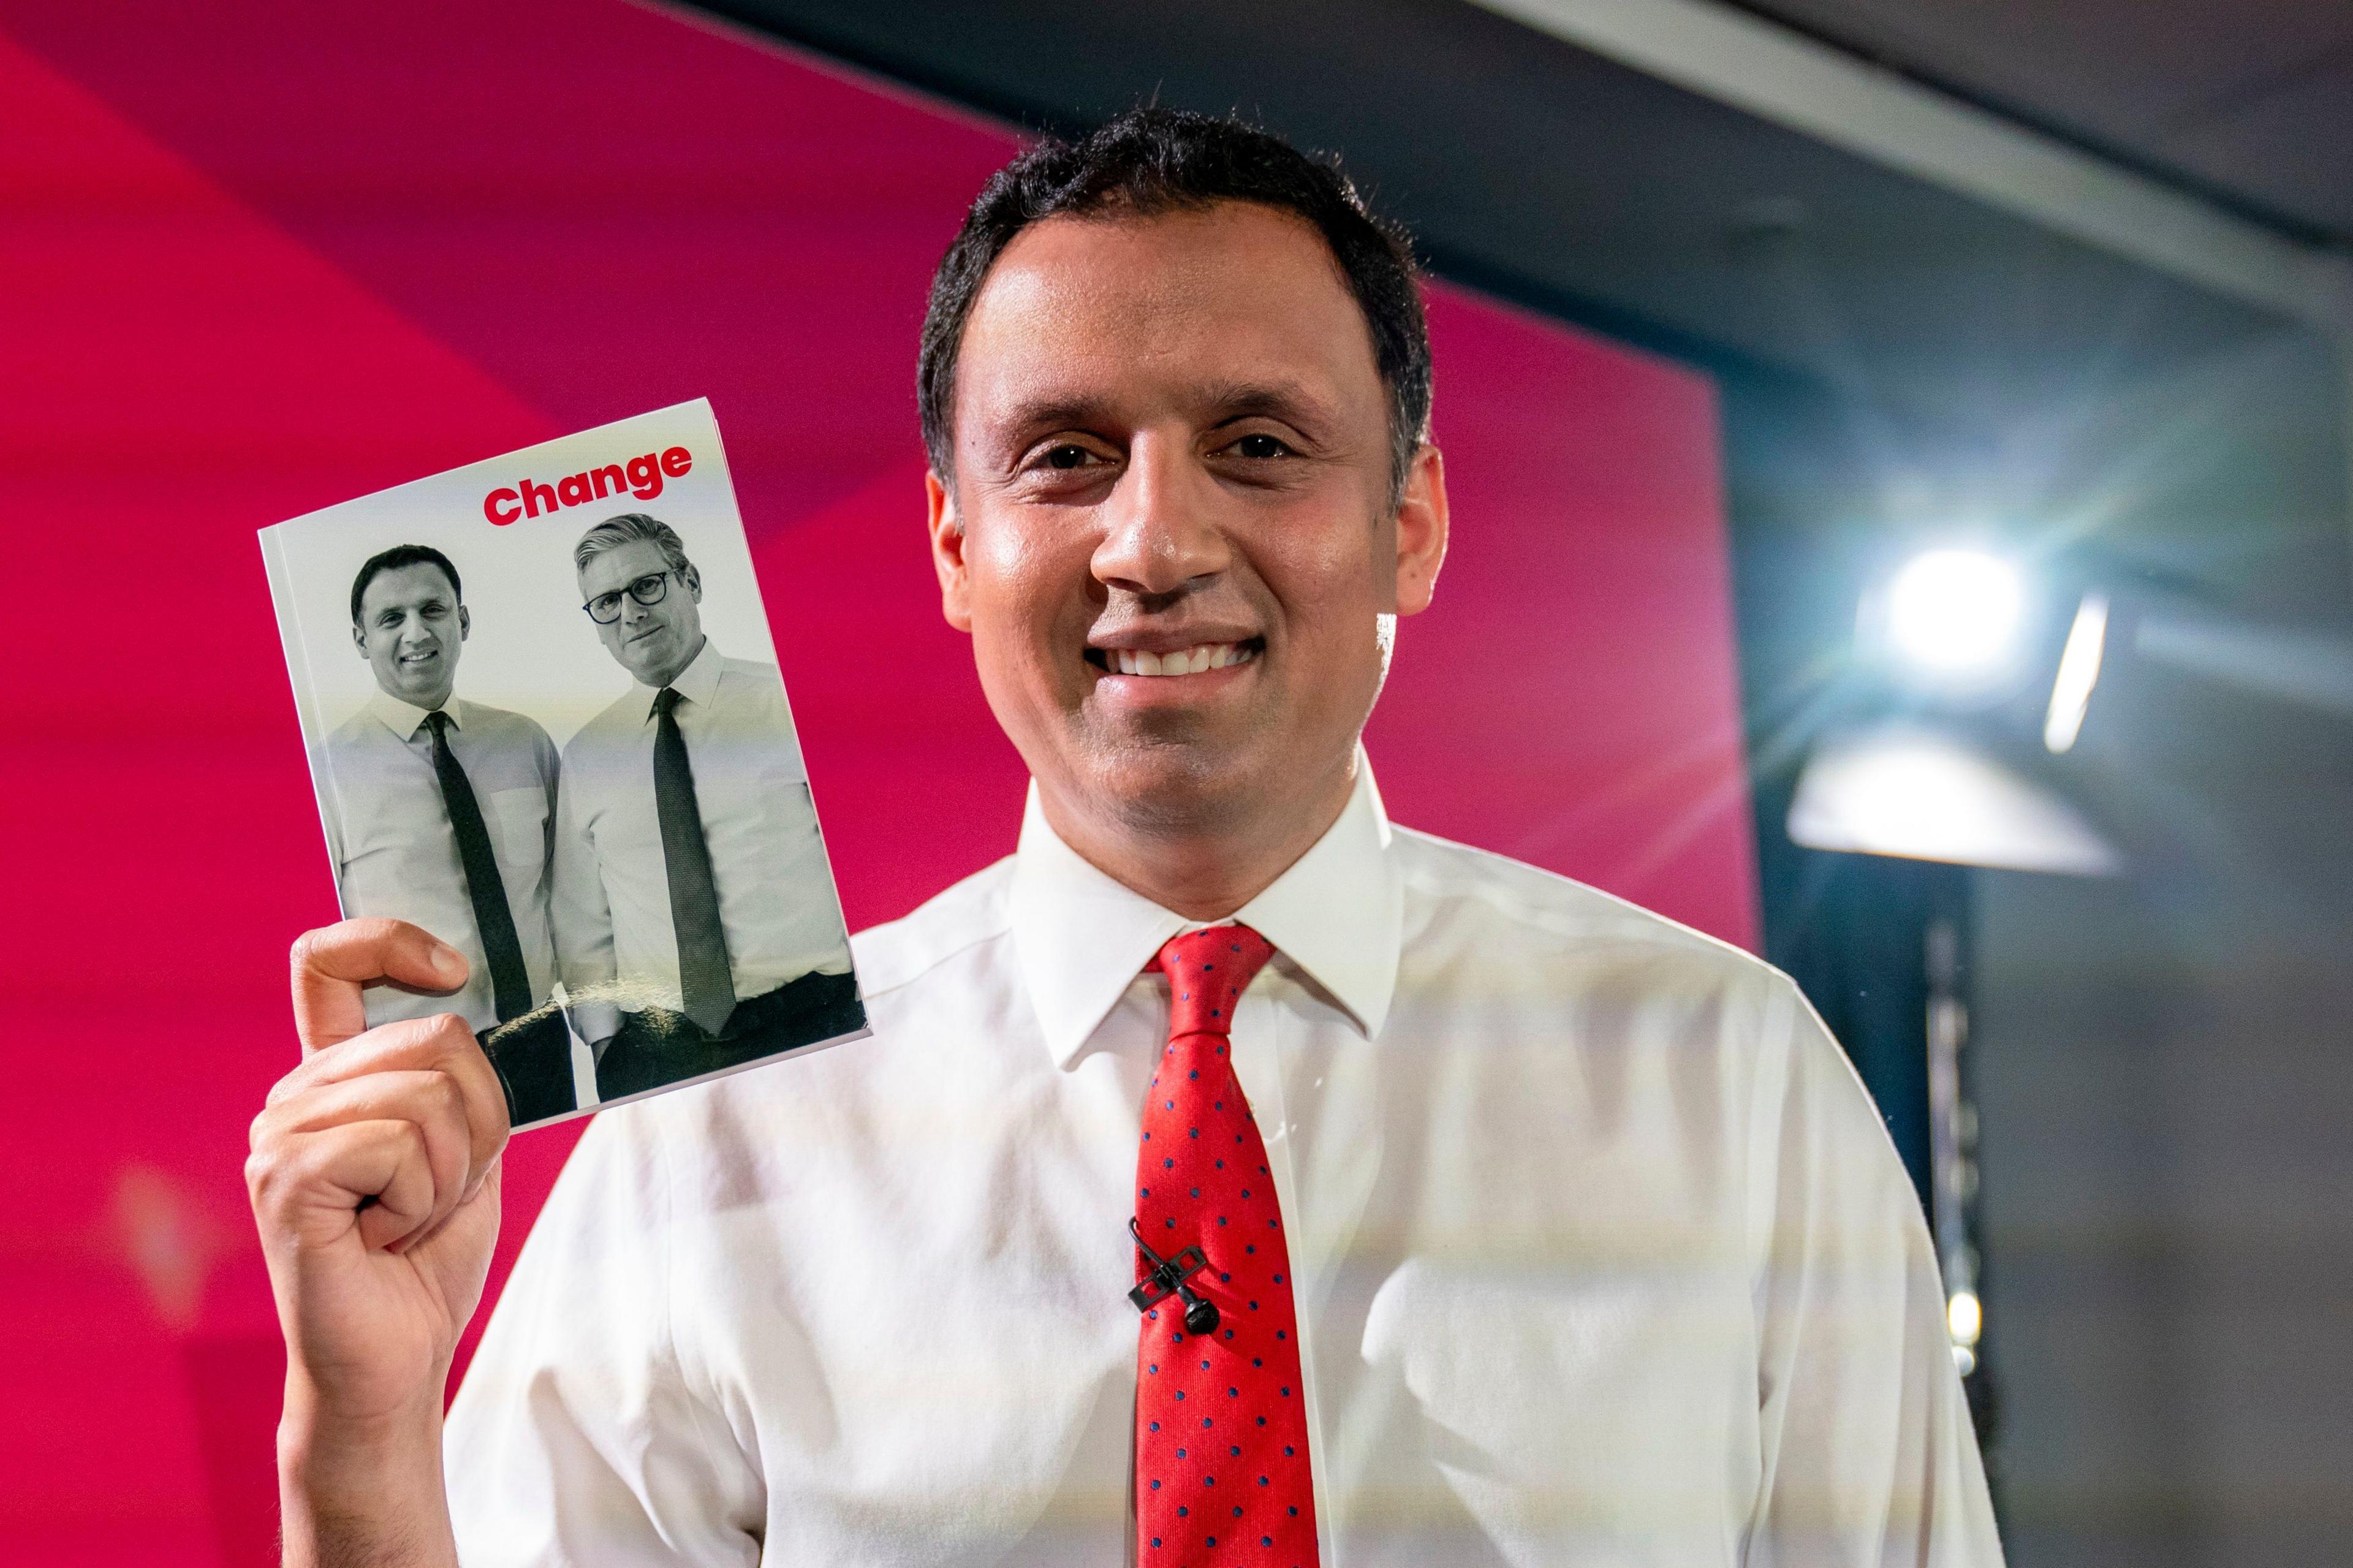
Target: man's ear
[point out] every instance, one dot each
(1421, 529)
(465, 623)
(359, 639)
(947, 550)
(694, 581)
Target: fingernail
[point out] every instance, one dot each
(446, 961)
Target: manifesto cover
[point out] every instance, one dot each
(545, 723)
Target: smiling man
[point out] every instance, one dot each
(1235, 1177)
(440, 815)
(695, 918)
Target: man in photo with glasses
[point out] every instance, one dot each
(696, 924)
(439, 814)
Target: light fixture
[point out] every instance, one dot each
(1925, 794)
(2079, 671)
(1955, 612)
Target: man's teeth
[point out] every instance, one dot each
(1184, 661)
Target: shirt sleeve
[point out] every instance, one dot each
(581, 1435)
(581, 916)
(1869, 1455)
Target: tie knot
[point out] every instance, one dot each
(437, 722)
(1207, 972)
(667, 699)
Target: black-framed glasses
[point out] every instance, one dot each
(650, 589)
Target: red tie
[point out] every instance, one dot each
(1221, 1477)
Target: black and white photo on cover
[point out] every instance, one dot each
(647, 902)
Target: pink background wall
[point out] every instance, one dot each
(261, 261)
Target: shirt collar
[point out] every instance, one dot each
(1081, 936)
(405, 718)
(698, 683)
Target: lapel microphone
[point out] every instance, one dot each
(1168, 1277)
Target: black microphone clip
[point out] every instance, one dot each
(1168, 1277)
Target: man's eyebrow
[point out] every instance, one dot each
(1222, 401)
(1250, 400)
(1027, 420)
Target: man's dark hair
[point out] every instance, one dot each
(393, 560)
(1153, 161)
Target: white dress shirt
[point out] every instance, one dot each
(614, 935)
(396, 854)
(1601, 1253)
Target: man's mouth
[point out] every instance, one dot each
(1194, 661)
(425, 657)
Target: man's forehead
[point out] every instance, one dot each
(628, 561)
(406, 586)
(1230, 294)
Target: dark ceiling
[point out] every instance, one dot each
(2251, 104)
(1551, 175)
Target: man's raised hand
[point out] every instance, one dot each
(374, 1181)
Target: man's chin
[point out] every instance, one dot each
(1167, 783)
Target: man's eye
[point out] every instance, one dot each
(1068, 456)
(1260, 446)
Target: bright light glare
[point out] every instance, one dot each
(1965, 1317)
(1954, 610)
(1899, 790)
(2079, 671)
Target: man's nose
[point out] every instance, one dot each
(1159, 523)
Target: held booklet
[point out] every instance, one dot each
(546, 725)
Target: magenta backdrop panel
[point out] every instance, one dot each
(256, 257)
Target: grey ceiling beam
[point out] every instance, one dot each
(1779, 75)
